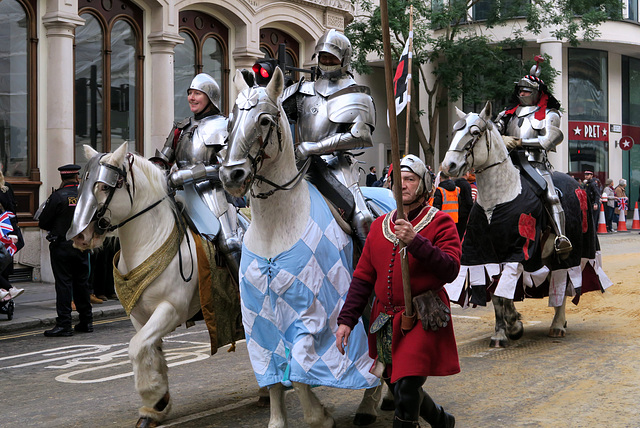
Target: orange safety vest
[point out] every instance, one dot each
(450, 202)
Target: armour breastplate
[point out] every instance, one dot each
(201, 140)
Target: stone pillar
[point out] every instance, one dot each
(58, 147)
(161, 89)
(553, 47)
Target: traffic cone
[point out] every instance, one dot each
(622, 222)
(636, 219)
(602, 224)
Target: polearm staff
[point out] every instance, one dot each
(409, 82)
(408, 317)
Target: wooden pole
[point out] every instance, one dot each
(409, 84)
(395, 152)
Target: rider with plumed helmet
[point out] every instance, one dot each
(334, 115)
(407, 353)
(194, 145)
(532, 125)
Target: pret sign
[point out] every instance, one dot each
(626, 143)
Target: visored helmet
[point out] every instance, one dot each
(415, 165)
(338, 45)
(531, 85)
(205, 83)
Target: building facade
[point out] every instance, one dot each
(106, 72)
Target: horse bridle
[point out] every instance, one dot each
(119, 177)
(470, 145)
(256, 162)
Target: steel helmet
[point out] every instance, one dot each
(338, 45)
(205, 83)
(415, 165)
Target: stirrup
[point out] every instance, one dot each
(562, 246)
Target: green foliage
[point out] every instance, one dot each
(465, 60)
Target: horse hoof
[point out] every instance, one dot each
(362, 419)
(556, 332)
(387, 404)
(517, 331)
(498, 343)
(146, 422)
(263, 401)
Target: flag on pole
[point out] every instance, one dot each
(402, 77)
(5, 229)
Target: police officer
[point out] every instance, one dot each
(193, 146)
(533, 123)
(334, 115)
(70, 266)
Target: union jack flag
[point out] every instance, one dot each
(5, 229)
(623, 204)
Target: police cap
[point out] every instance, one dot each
(69, 170)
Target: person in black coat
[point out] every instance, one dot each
(594, 193)
(465, 203)
(70, 266)
(371, 177)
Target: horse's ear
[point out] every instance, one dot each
(486, 111)
(89, 152)
(239, 81)
(460, 113)
(117, 158)
(276, 85)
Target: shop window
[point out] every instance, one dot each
(17, 109)
(270, 40)
(204, 51)
(108, 64)
(588, 135)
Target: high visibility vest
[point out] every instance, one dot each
(450, 202)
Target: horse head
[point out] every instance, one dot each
(259, 134)
(107, 196)
(476, 143)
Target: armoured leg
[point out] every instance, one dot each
(230, 241)
(562, 244)
(345, 167)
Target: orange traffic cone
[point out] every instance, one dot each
(602, 224)
(636, 219)
(622, 222)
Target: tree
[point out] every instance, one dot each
(463, 59)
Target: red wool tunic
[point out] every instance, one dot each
(434, 260)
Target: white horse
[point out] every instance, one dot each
(503, 237)
(260, 158)
(131, 192)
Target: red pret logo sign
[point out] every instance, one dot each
(588, 131)
(626, 143)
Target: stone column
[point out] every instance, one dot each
(553, 47)
(161, 89)
(58, 145)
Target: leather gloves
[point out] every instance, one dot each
(432, 311)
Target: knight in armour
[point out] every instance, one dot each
(193, 150)
(334, 115)
(531, 127)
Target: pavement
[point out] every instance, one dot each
(36, 308)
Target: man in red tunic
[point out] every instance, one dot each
(433, 249)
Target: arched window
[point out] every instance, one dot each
(204, 51)
(270, 40)
(108, 79)
(17, 84)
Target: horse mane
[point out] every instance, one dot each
(146, 174)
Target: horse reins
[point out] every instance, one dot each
(103, 225)
(256, 164)
(469, 146)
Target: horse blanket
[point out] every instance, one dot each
(503, 256)
(290, 305)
